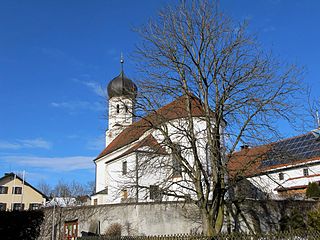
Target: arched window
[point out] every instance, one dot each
(118, 108)
(126, 108)
(208, 160)
(176, 163)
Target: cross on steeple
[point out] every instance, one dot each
(121, 62)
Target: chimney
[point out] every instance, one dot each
(244, 147)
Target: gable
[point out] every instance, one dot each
(10, 177)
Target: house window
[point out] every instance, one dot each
(17, 190)
(34, 206)
(3, 206)
(305, 172)
(18, 206)
(95, 201)
(124, 167)
(281, 176)
(118, 108)
(155, 193)
(176, 164)
(3, 190)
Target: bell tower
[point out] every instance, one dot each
(122, 93)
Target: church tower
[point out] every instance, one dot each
(122, 93)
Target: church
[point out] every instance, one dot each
(135, 165)
(121, 174)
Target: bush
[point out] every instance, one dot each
(313, 190)
(114, 230)
(295, 221)
(313, 221)
(20, 224)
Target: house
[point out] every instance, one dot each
(17, 194)
(69, 201)
(281, 169)
(61, 202)
(129, 144)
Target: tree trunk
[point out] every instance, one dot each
(207, 224)
(212, 226)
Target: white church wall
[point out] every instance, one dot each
(101, 176)
(116, 179)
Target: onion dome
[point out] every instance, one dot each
(122, 86)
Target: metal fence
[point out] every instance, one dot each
(305, 235)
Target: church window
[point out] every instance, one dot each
(176, 164)
(118, 108)
(155, 193)
(124, 168)
(126, 108)
(208, 160)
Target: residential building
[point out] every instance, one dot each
(17, 194)
(281, 169)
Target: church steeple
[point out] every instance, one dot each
(122, 85)
(122, 93)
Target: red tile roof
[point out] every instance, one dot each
(148, 141)
(171, 111)
(247, 162)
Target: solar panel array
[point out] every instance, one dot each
(293, 149)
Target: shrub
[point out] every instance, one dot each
(294, 221)
(114, 230)
(313, 190)
(20, 224)
(313, 221)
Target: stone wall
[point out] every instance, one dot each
(167, 217)
(136, 219)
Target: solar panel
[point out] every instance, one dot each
(293, 149)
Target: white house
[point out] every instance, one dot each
(281, 169)
(130, 144)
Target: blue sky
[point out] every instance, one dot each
(56, 58)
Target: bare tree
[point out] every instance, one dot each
(44, 187)
(68, 193)
(226, 84)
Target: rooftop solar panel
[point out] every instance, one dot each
(293, 149)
